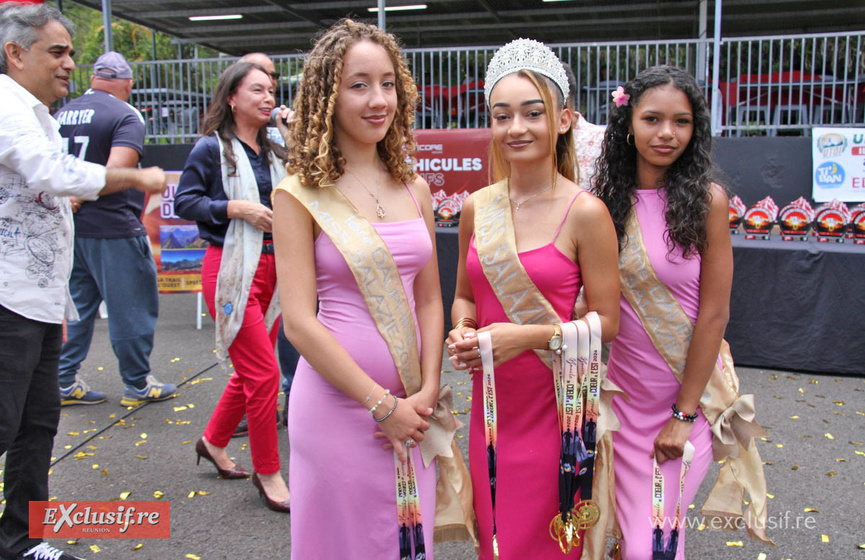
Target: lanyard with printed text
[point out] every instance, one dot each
(408, 509)
(659, 552)
(485, 345)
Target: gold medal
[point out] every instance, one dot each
(586, 513)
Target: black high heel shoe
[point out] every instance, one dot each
(234, 472)
(282, 507)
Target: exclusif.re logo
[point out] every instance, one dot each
(100, 520)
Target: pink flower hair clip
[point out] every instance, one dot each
(620, 97)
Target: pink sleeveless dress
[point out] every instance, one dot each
(342, 483)
(637, 368)
(529, 440)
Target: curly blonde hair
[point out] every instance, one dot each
(314, 155)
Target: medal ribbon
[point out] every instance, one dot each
(408, 509)
(576, 377)
(659, 552)
(485, 345)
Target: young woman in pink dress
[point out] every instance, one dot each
(656, 166)
(349, 409)
(564, 239)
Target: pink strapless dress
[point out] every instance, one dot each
(529, 440)
(343, 491)
(637, 368)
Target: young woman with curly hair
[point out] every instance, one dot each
(671, 222)
(354, 233)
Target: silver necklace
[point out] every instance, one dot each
(519, 204)
(379, 209)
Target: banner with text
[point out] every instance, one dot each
(453, 160)
(839, 164)
(177, 248)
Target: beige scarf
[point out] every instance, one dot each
(241, 250)
(378, 279)
(524, 304)
(731, 415)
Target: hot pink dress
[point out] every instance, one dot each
(342, 483)
(529, 440)
(637, 368)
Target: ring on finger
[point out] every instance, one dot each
(409, 443)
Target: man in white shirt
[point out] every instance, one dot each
(588, 137)
(36, 240)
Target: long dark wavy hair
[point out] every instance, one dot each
(687, 181)
(220, 119)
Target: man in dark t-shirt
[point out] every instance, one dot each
(112, 262)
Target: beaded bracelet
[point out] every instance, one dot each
(369, 396)
(466, 322)
(386, 416)
(679, 415)
(381, 400)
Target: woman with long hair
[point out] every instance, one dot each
(671, 222)
(354, 232)
(225, 187)
(527, 245)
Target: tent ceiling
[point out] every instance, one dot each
(287, 26)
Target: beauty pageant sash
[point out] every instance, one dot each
(523, 303)
(730, 415)
(378, 280)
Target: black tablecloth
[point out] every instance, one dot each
(798, 305)
(794, 305)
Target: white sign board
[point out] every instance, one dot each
(838, 161)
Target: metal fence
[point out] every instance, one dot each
(766, 85)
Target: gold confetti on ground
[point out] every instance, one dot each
(735, 543)
(142, 456)
(860, 453)
(831, 474)
(824, 538)
(72, 541)
(761, 556)
(839, 403)
(104, 472)
(794, 418)
(158, 495)
(137, 546)
(143, 441)
(192, 556)
(179, 408)
(829, 436)
(795, 467)
(770, 496)
(72, 434)
(855, 442)
(841, 460)
(768, 463)
(95, 466)
(124, 495)
(93, 447)
(95, 549)
(185, 442)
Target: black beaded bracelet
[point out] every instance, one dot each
(386, 416)
(679, 415)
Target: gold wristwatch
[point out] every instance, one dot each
(555, 341)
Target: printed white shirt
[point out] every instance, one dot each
(36, 227)
(588, 139)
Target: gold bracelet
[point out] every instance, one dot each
(466, 322)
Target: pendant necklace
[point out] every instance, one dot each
(517, 205)
(379, 209)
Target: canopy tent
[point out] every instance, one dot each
(286, 26)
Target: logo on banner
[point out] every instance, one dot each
(100, 520)
(832, 144)
(829, 175)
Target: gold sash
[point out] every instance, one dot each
(523, 303)
(731, 415)
(378, 280)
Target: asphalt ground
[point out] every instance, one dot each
(814, 455)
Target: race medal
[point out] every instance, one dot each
(587, 514)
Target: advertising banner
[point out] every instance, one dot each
(838, 156)
(177, 248)
(453, 160)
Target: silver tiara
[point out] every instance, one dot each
(525, 54)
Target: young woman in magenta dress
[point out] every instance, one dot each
(564, 239)
(355, 218)
(654, 178)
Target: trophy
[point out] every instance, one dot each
(737, 210)
(795, 220)
(830, 221)
(760, 218)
